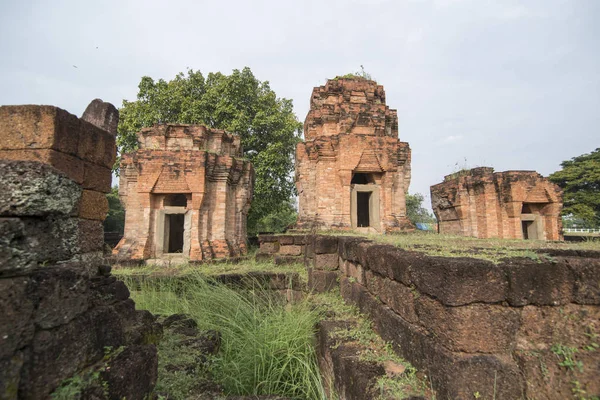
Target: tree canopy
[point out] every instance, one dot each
(415, 211)
(580, 181)
(238, 103)
(115, 220)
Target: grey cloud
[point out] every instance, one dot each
(517, 81)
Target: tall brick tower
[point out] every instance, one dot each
(352, 171)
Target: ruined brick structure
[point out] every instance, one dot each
(62, 314)
(186, 192)
(351, 170)
(470, 325)
(487, 204)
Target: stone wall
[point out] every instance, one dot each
(292, 249)
(351, 147)
(62, 314)
(206, 169)
(516, 330)
(511, 204)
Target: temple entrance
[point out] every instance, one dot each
(174, 228)
(530, 230)
(363, 209)
(525, 226)
(531, 221)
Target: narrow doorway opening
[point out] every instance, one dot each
(530, 230)
(174, 228)
(525, 228)
(362, 209)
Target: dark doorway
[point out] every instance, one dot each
(525, 226)
(362, 209)
(361, 179)
(176, 200)
(175, 226)
(526, 209)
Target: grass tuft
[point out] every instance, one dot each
(494, 250)
(266, 348)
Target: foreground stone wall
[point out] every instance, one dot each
(487, 204)
(189, 171)
(516, 330)
(352, 155)
(62, 315)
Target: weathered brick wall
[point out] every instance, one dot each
(203, 164)
(61, 312)
(474, 326)
(484, 204)
(349, 129)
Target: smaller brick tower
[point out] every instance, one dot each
(487, 204)
(186, 192)
(352, 171)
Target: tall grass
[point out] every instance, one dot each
(266, 348)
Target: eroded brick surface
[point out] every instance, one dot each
(351, 147)
(487, 204)
(190, 171)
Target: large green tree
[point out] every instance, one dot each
(415, 211)
(580, 180)
(238, 103)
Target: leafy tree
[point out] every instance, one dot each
(279, 221)
(237, 103)
(115, 220)
(580, 181)
(415, 211)
(570, 221)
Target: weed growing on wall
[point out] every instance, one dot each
(373, 348)
(494, 250)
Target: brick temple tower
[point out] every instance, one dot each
(487, 204)
(352, 171)
(186, 192)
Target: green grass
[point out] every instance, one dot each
(210, 270)
(181, 374)
(372, 346)
(267, 348)
(461, 246)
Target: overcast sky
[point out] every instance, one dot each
(507, 84)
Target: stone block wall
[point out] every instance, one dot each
(283, 249)
(515, 330)
(62, 315)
